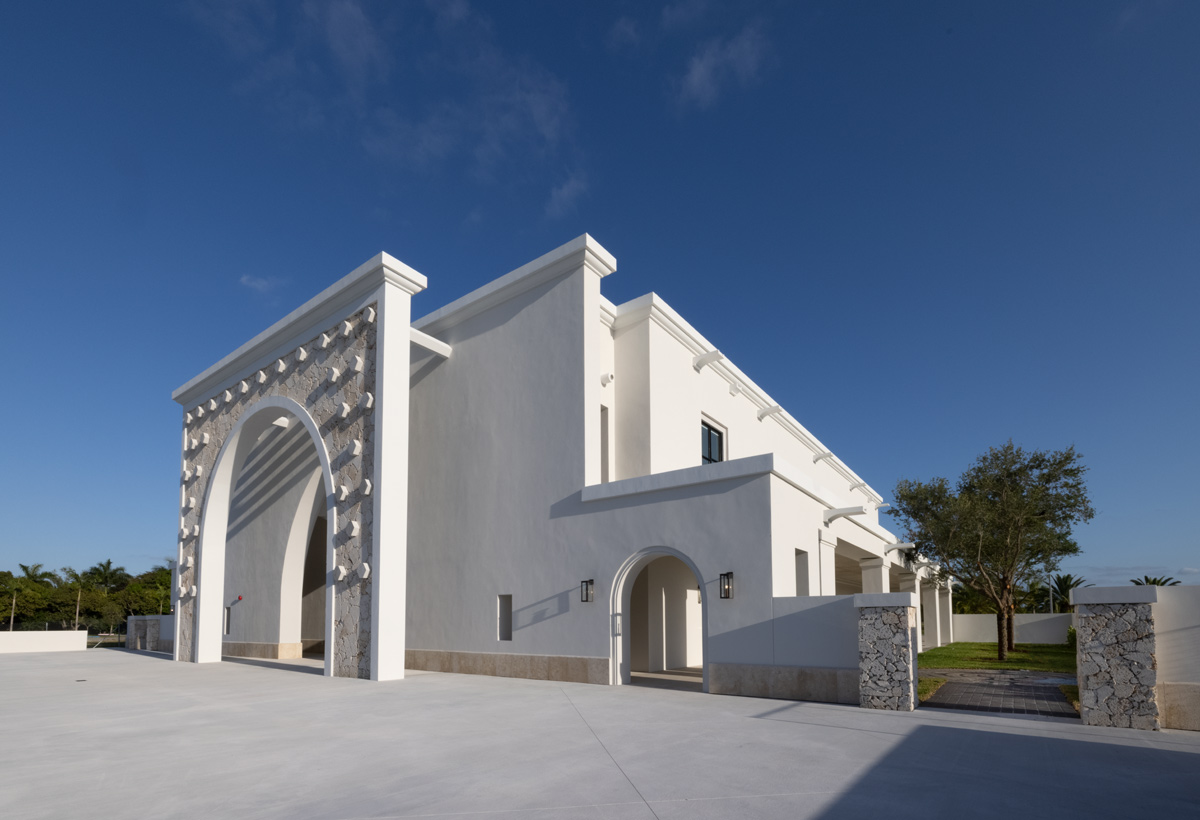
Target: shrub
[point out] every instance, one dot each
(1071, 639)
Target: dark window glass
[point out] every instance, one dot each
(712, 444)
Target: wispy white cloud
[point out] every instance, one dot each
(424, 88)
(682, 13)
(565, 195)
(624, 34)
(354, 42)
(504, 110)
(1189, 571)
(260, 284)
(721, 64)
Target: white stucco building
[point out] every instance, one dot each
(531, 481)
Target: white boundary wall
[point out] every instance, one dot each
(1030, 628)
(1177, 634)
(37, 641)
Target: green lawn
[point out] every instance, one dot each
(1037, 657)
(927, 686)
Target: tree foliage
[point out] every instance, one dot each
(1007, 521)
(99, 598)
(1154, 581)
(1061, 585)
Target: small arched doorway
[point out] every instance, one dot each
(264, 557)
(660, 622)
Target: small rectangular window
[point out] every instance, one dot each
(504, 617)
(604, 469)
(228, 616)
(712, 444)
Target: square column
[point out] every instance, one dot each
(945, 602)
(827, 548)
(875, 576)
(931, 616)
(911, 582)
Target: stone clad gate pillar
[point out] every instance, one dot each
(1115, 652)
(887, 650)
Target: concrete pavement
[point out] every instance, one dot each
(111, 734)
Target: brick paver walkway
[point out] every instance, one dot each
(984, 690)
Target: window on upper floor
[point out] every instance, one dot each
(712, 443)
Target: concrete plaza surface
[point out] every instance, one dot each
(111, 734)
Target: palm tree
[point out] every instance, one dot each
(80, 580)
(1061, 586)
(1154, 581)
(34, 574)
(106, 576)
(10, 584)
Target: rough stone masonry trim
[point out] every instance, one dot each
(887, 657)
(333, 377)
(1117, 666)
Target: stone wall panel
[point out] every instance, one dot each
(305, 378)
(887, 652)
(1117, 669)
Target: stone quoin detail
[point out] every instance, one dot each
(1118, 670)
(887, 657)
(303, 380)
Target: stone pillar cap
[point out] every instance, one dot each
(885, 599)
(1132, 594)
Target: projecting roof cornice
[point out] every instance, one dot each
(652, 307)
(583, 251)
(327, 307)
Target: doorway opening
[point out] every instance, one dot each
(666, 626)
(264, 552)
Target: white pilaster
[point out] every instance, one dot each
(931, 615)
(875, 575)
(389, 575)
(827, 548)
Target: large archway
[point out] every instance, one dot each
(268, 500)
(660, 617)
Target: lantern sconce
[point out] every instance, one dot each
(726, 586)
(587, 591)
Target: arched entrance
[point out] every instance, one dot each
(660, 618)
(266, 514)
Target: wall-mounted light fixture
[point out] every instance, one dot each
(587, 591)
(726, 585)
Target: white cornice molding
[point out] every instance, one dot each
(652, 306)
(335, 302)
(608, 313)
(583, 251)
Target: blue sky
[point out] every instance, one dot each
(923, 228)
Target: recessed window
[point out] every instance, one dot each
(504, 617)
(604, 468)
(712, 444)
(228, 618)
